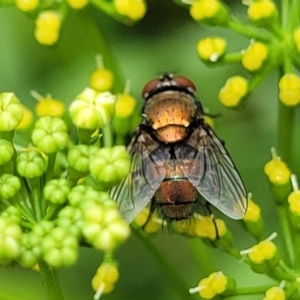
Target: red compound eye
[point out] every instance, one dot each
(184, 82)
(150, 86)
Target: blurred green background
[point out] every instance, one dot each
(165, 40)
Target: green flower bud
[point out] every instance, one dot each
(103, 227)
(79, 157)
(50, 134)
(11, 111)
(6, 151)
(10, 236)
(81, 195)
(92, 109)
(60, 248)
(70, 218)
(9, 186)
(110, 164)
(57, 190)
(31, 164)
(42, 228)
(30, 250)
(12, 213)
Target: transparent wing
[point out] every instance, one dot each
(147, 171)
(208, 166)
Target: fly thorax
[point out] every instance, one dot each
(169, 114)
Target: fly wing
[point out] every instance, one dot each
(208, 166)
(147, 171)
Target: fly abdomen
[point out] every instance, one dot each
(175, 198)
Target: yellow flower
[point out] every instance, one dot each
(277, 171)
(209, 11)
(105, 278)
(124, 106)
(47, 27)
(254, 56)
(234, 90)
(27, 119)
(27, 5)
(265, 250)
(274, 293)
(294, 202)
(262, 9)
(77, 4)
(289, 89)
(211, 48)
(47, 106)
(133, 9)
(101, 79)
(153, 223)
(253, 212)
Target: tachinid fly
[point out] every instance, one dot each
(177, 160)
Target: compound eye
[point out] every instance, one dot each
(184, 82)
(150, 86)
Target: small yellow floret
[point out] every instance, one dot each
(133, 9)
(234, 90)
(77, 4)
(274, 293)
(153, 224)
(253, 212)
(296, 37)
(27, 119)
(211, 48)
(204, 9)
(289, 89)
(218, 282)
(27, 5)
(124, 106)
(277, 171)
(263, 9)
(294, 202)
(47, 27)
(254, 56)
(265, 250)
(49, 107)
(205, 290)
(101, 79)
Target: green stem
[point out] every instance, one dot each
(294, 14)
(253, 290)
(107, 136)
(286, 233)
(51, 165)
(285, 13)
(177, 282)
(51, 282)
(201, 254)
(297, 246)
(249, 31)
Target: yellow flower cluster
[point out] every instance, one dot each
(77, 4)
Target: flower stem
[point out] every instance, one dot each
(51, 282)
(177, 282)
(201, 254)
(248, 31)
(253, 290)
(286, 233)
(107, 136)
